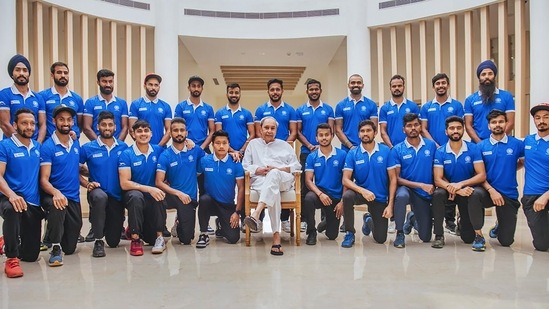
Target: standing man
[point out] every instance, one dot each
(412, 160)
(458, 173)
(535, 201)
(19, 198)
(156, 112)
(391, 113)
(19, 96)
(61, 94)
(103, 184)
(351, 111)
(283, 112)
(60, 182)
(488, 98)
(105, 100)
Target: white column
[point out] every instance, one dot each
(8, 35)
(539, 45)
(166, 45)
(358, 45)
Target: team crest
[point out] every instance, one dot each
(241, 117)
(35, 104)
(323, 112)
(118, 153)
(379, 159)
(154, 159)
(191, 158)
(509, 151)
(116, 108)
(71, 103)
(407, 110)
(427, 152)
(467, 159)
(336, 163)
(76, 150)
(284, 113)
(363, 108)
(203, 113)
(498, 100)
(547, 151)
(229, 171)
(37, 152)
(160, 110)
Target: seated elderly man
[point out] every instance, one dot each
(271, 163)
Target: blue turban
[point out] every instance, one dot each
(487, 64)
(15, 60)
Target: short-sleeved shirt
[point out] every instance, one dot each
(284, 115)
(236, 124)
(474, 106)
(103, 165)
(22, 168)
(141, 165)
(435, 114)
(52, 99)
(352, 113)
(415, 164)
(370, 169)
(327, 170)
(12, 100)
(500, 159)
(220, 177)
(97, 104)
(460, 166)
(391, 114)
(536, 164)
(196, 118)
(65, 166)
(154, 112)
(181, 168)
(310, 118)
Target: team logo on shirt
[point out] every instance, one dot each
(427, 152)
(509, 151)
(203, 113)
(336, 163)
(467, 159)
(229, 171)
(450, 109)
(191, 158)
(160, 110)
(498, 100)
(407, 110)
(116, 108)
(379, 159)
(284, 113)
(547, 151)
(241, 117)
(37, 153)
(118, 153)
(35, 104)
(76, 150)
(154, 159)
(363, 108)
(323, 112)
(71, 103)
(15, 102)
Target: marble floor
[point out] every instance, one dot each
(368, 275)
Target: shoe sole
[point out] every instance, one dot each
(201, 246)
(437, 246)
(345, 246)
(14, 276)
(55, 264)
(158, 251)
(99, 255)
(478, 249)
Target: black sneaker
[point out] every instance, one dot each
(203, 241)
(438, 243)
(99, 248)
(90, 237)
(218, 229)
(166, 233)
(321, 227)
(81, 239)
(311, 239)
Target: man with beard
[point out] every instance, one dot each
(391, 113)
(535, 201)
(105, 100)
(458, 173)
(136, 170)
(59, 181)
(19, 197)
(412, 160)
(488, 98)
(503, 155)
(156, 112)
(19, 96)
(103, 185)
(351, 111)
(283, 112)
(176, 176)
(61, 94)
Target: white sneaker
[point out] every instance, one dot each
(392, 227)
(159, 245)
(304, 226)
(286, 226)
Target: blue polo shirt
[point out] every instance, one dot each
(181, 168)
(12, 100)
(52, 99)
(536, 164)
(504, 101)
(460, 166)
(236, 124)
(327, 171)
(103, 164)
(141, 165)
(284, 115)
(220, 177)
(352, 113)
(391, 114)
(154, 112)
(310, 118)
(65, 166)
(22, 168)
(97, 104)
(435, 114)
(415, 164)
(196, 117)
(370, 169)
(500, 159)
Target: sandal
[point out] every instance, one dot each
(277, 250)
(251, 223)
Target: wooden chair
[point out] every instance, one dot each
(290, 200)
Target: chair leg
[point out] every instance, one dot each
(298, 229)
(292, 225)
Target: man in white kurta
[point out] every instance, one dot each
(271, 163)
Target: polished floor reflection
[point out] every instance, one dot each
(321, 276)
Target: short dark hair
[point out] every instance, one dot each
(219, 133)
(104, 73)
(275, 81)
(23, 110)
(321, 126)
(409, 117)
(397, 76)
(496, 113)
(367, 122)
(454, 119)
(179, 120)
(440, 76)
(141, 123)
(232, 86)
(58, 64)
(312, 81)
(105, 115)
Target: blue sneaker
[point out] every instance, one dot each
(479, 244)
(494, 231)
(409, 223)
(399, 240)
(367, 225)
(349, 240)
(56, 257)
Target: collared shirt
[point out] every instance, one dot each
(284, 115)
(352, 113)
(22, 166)
(391, 114)
(536, 164)
(197, 118)
(12, 100)
(220, 177)
(141, 165)
(181, 167)
(154, 112)
(435, 115)
(327, 171)
(97, 104)
(458, 166)
(52, 99)
(503, 101)
(310, 118)
(235, 123)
